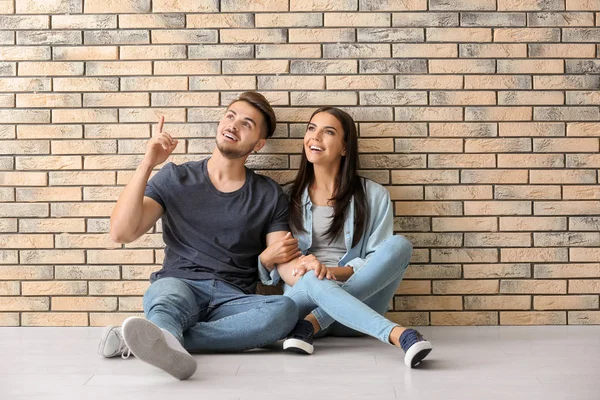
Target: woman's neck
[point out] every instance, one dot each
(323, 186)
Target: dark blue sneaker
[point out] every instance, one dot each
(415, 346)
(300, 339)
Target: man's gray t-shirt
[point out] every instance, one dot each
(214, 235)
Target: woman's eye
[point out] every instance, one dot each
(329, 132)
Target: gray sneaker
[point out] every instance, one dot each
(112, 343)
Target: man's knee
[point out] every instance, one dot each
(168, 291)
(285, 313)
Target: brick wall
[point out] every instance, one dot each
(480, 116)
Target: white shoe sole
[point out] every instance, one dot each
(417, 353)
(102, 344)
(298, 346)
(147, 342)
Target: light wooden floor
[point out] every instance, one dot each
(482, 363)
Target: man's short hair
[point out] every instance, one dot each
(259, 102)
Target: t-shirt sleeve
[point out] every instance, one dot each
(157, 187)
(279, 222)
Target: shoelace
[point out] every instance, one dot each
(123, 349)
(409, 338)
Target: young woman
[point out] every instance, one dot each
(344, 227)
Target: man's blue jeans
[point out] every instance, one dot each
(211, 315)
(360, 302)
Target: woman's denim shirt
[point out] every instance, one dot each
(379, 227)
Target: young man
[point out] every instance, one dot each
(218, 216)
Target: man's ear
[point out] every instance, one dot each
(260, 144)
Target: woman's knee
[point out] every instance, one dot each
(400, 246)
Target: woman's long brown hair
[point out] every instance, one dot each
(347, 184)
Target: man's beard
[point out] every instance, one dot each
(233, 154)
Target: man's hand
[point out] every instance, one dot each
(160, 147)
(280, 252)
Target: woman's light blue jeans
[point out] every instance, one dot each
(360, 302)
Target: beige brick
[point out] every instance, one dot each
(494, 50)
(54, 288)
(26, 53)
(23, 179)
(458, 192)
(54, 319)
(102, 193)
(435, 239)
(533, 286)
(583, 97)
(89, 115)
(565, 302)
(464, 224)
(428, 208)
(24, 84)
(147, 241)
(47, 37)
(571, 270)
(359, 82)
(498, 113)
(172, 36)
(8, 131)
(390, 35)
(120, 256)
(8, 224)
(532, 129)
(7, 193)
(81, 209)
(566, 239)
(584, 254)
(153, 21)
(153, 52)
(443, 271)
(465, 287)
(527, 35)
(461, 161)
(567, 176)
(424, 177)
(584, 317)
(25, 272)
(54, 131)
(534, 255)
(115, 319)
(55, 68)
(296, 82)
(85, 272)
(497, 146)
(567, 207)
(392, 5)
(566, 145)
(85, 53)
(120, 288)
(119, 68)
(24, 241)
(581, 192)
(207, 51)
(583, 129)
(356, 19)
(428, 303)
(562, 50)
(376, 146)
(320, 35)
(585, 223)
(561, 19)
(486, 271)
(48, 163)
(392, 129)
(409, 318)
(7, 100)
(530, 5)
(130, 304)
(425, 50)
(108, 162)
(119, 131)
(222, 82)
(152, 115)
(497, 239)
(24, 304)
(462, 98)
(497, 82)
(52, 225)
(463, 129)
(428, 145)
(414, 287)
(497, 302)
(132, 272)
(115, 99)
(531, 160)
(527, 192)
(15, 147)
(82, 178)
(9, 256)
(459, 35)
(530, 98)
(533, 318)
(10, 288)
(87, 146)
(48, 6)
(85, 241)
(321, 67)
(357, 50)
(464, 255)
(428, 82)
(405, 192)
(220, 20)
(8, 7)
(84, 304)
(423, 19)
(530, 67)
(84, 22)
(566, 82)
(51, 256)
(464, 318)
(23, 210)
(584, 286)
(115, 6)
(462, 5)
(428, 114)
(393, 161)
(48, 100)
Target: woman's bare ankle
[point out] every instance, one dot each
(395, 335)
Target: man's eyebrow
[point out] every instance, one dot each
(250, 119)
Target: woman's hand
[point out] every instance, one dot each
(310, 262)
(280, 252)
